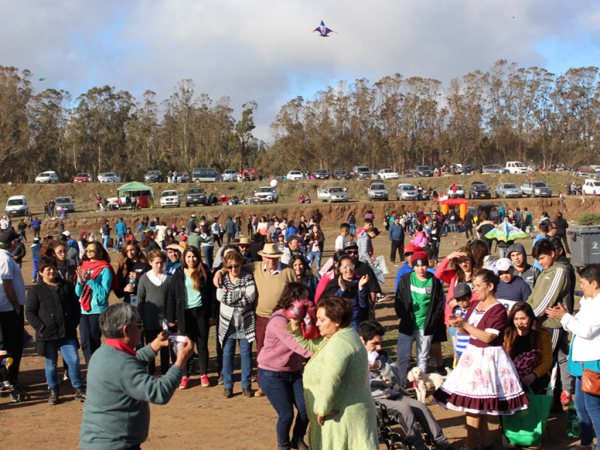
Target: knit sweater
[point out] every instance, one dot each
(116, 414)
(152, 302)
(232, 299)
(269, 287)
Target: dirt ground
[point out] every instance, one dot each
(199, 418)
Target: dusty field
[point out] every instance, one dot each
(199, 418)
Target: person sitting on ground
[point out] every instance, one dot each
(301, 199)
(387, 390)
(511, 289)
(117, 411)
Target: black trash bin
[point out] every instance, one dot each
(585, 245)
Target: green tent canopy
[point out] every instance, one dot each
(135, 189)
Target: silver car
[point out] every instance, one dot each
(65, 203)
(266, 194)
(508, 190)
(109, 177)
(378, 191)
(407, 192)
(333, 194)
(536, 189)
(494, 168)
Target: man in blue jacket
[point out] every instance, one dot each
(408, 252)
(396, 235)
(121, 230)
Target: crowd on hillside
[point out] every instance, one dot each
(319, 356)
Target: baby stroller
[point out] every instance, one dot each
(394, 440)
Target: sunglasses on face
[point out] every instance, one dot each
(234, 266)
(90, 250)
(352, 252)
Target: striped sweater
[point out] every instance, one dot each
(552, 287)
(232, 299)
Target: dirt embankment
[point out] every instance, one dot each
(331, 215)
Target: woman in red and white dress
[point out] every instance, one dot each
(485, 381)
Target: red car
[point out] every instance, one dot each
(250, 174)
(82, 178)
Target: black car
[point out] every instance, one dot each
(195, 196)
(479, 190)
(424, 171)
(341, 174)
(321, 174)
(153, 176)
(469, 168)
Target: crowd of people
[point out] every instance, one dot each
(509, 322)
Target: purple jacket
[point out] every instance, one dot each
(281, 352)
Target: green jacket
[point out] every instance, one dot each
(194, 240)
(552, 287)
(116, 414)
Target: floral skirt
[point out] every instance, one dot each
(485, 381)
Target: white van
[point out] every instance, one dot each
(516, 167)
(47, 177)
(17, 206)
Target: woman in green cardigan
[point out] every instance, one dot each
(338, 398)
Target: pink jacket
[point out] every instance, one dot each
(326, 278)
(281, 351)
(449, 276)
(420, 240)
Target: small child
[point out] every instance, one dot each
(35, 252)
(462, 295)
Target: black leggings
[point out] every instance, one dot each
(197, 329)
(150, 335)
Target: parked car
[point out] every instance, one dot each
(169, 198)
(388, 174)
(588, 169)
(109, 177)
(153, 176)
(407, 192)
(195, 196)
(65, 203)
(362, 173)
(266, 194)
(333, 194)
(183, 177)
(47, 177)
(322, 174)
(340, 173)
(205, 175)
(423, 171)
(249, 175)
(536, 189)
(408, 175)
(508, 190)
(229, 175)
(460, 191)
(595, 168)
(295, 175)
(479, 190)
(17, 206)
(516, 167)
(591, 187)
(493, 168)
(378, 191)
(470, 168)
(82, 178)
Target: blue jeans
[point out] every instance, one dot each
(35, 268)
(105, 239)
(229, 353)
(284, 390)
(120, 238)
(314, 256)
(353, 229)
(405, 343)
(588, 410)
(68, 349)
(208, 255)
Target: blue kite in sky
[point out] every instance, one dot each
(323, 30)
(42, 79)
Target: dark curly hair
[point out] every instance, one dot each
(292, 291)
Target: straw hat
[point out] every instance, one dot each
(270, 251)
(244, 240)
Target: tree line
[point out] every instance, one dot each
(506, 113)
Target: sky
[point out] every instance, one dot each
(266, 51)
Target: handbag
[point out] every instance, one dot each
(590, 382)
(526, 427)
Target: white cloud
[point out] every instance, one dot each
(264, 50)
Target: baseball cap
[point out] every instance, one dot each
(410, 248)
(67, 233)
(350, 244)
(503, 264)
(461, 290)
(83, 233)
(7, 237)
(420, 258)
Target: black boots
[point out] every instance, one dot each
(80, 394)
(53, 399)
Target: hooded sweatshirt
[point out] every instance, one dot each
(530, 274)
(553, 286)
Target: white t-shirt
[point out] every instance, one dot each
(340, 242)
(9, 270)
(161, 232)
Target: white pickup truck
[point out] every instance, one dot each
(516, 167)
